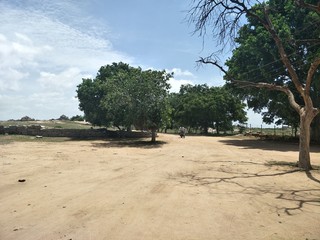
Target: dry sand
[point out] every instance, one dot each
(182, 189)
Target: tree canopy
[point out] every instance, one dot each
(202, 107)
(256, 59)
(123, 96)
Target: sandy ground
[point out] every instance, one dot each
(182, 189)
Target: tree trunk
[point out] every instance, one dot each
(153, 134)
(304, 142)
(217, 129)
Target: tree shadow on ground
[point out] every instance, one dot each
(311, 177)
(266, 145)
(299, 198)
(133, 143)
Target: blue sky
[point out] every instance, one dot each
(47, 47)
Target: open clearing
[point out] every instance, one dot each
(181, 189)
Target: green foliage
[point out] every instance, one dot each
(122, 96)
(63, 117)
(256, 58)
(27, 118)
(90, 94)
(202, 107)
(77, 118)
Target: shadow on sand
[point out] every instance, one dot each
(294, 199)
(133, 143)
(266, 145)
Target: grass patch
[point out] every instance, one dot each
(65, 124)
(282, 163)
(288, 164)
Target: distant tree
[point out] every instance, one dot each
(90, 94)
(277, 48)
(175, 104)
(149, 99)
(27, 118)
(77, 118)
(122, 96)
(63, 118)
(202, 107)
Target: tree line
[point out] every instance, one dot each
(128, 97)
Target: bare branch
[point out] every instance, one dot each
(223, 15)
(208, 60)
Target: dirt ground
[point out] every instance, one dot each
(195, 188)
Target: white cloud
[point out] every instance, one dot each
(23, 37)
(176, 84)
(12, 103)
(66, 79)
(180, 77)
(181, 73)
(46, 49)
(10, 79)
(15, 54)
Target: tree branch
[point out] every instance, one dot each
(302, 3)
(209, 9)
(284, 58)
(311, 72)
(208, 60)
(224, 15)
(248, 84)
(272, 87)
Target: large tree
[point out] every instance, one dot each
(276, 27)
(202, 107)
(257, 56)
(122, 96)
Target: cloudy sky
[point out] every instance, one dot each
(47, 47)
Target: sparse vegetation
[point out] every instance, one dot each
(27, 118)
(63, 117)
(65, 124)
(77, 118)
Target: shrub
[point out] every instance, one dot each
(77, 118)
(26, 118)
(63, 117)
